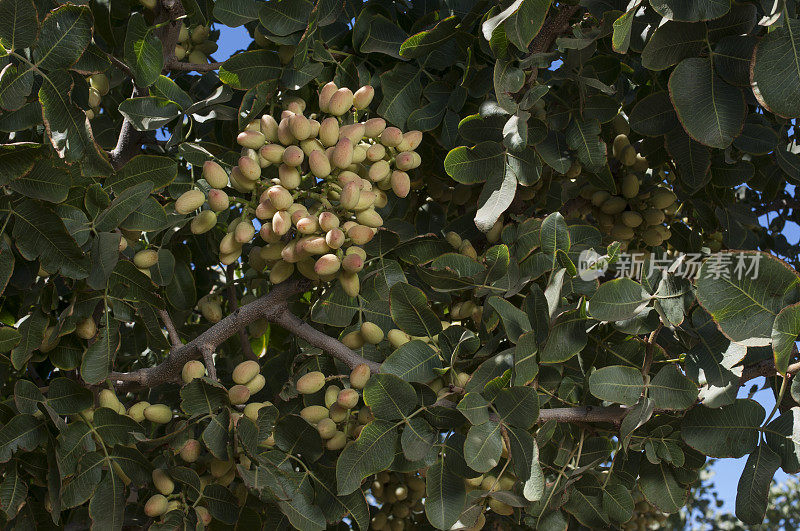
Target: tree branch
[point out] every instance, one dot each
(182, 66)
(172, 332)
(129, 140)
(274, 308)
(554, 26)
(233, 304)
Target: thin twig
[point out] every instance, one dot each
(182, 66)
(208, 359)
(648, 355)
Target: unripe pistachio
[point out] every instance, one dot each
(325, 95)
(293, 156)
(229, 245)
(350, 196)
(307, 225)
(208, 47)
(411, 139)
(369, 218)
(359, 376)
(245, 371)
(306, 268)
(614, 205)
(229, 258)
(251, 410)
(327, 264)
(371, 332)
(310, 383)
(314, 414)
(214, 175)
(319, 164)
(239, 183)
(180, 52)
(146, 272)
(251, 139)
(285, 136)
(374, 127)
(621, 141)
(640, 163)
(622, 232)
(279, 197)
(272, 252)
(316, 245)
(453, 239)
(360, 234)
(365, 200)
(363, 97)
(662, 198)
(331, 394)
(326, 428)
(189, 201)
(628, 155)
(341, 101)
(329, 132)
(244, 232)
(334, 238)
(280, 272)
(219, 468)
(401, 183)
(348, 398)
(218, 200)
(94, 98)
(203, 515)
(197, 57)
(136, 411)
(107, 398)
(162, 482)
(407, 160)
(337, 442)
(353, 132)
(375, 152)
(203, 222)
(468, 250)
(267, 234)
(192, 369)
(299, 126)
(653, 216)
(353, 340)
(199, 34)
(256, 384)
(338, 413)
(350, 283)
(500, 508)
(365, 413)
(158, 413)
(494, 233)
(352, 263)
(631, 219)
(379, 170)
(156, 505)
(145, 259)
(397, 337)
(249, 168)
(630, 186)
(238, 394)
(86, 328)
(342, 155)
(391, 137)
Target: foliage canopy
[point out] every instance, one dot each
(440, 263)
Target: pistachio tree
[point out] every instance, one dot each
(422, 264)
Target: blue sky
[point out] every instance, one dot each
(727, 471)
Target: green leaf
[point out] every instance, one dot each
(235, 13)
(693, 11)
(22, 432)
(474, 407)
(526, 22)
(216, 437)
(621, 36)
(781, 437)
(334, 308)
(617, 383)
(67, 126)
(417, 439)
(122, 206)
(584, 137)
(143, 51)
(202, 397)
(654, 115)
(9, 338)
(729, 431)
(285, 17)
(428, 41)
(711, 110)
(99, 357)
(554, 235)
(411, 311)
(402, 89)
(618, 299)
(31, 332)
(65, 34)
(107, 506)
(67, 397)
(525, 366)
(743, 300)
(46, 181)
(13, 492)
(515, 321)
(27, 397)
(160, 171)
(752, 493)
(566, 339)
(774, 75)
(445, 495)
(221, 503)
(483, 446)
(17, 159)
(389, 397)
(383, 36)
(149, 113)
(414, 361)
(660, 488)
(372, 452)
(40, 233)
(672, 42)
(15, 87)
(105, 255)
(692, 158)
(470, 165)
(246, 70)
(496, 196)
(166, 88)
(617, 502)
(670, 389)
(518, 406)
(20, 25)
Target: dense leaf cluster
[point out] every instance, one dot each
(470, 370)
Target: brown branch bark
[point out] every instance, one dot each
(172, 332)
(182, 66)
(554, 26)
(274, 308)
(129, 140)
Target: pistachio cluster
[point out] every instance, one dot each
(315, 184)
(98, 87)
(645, 516)
(491, 484)
(400, 496)
(637, 212)
(338, 421)
(194, 45)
